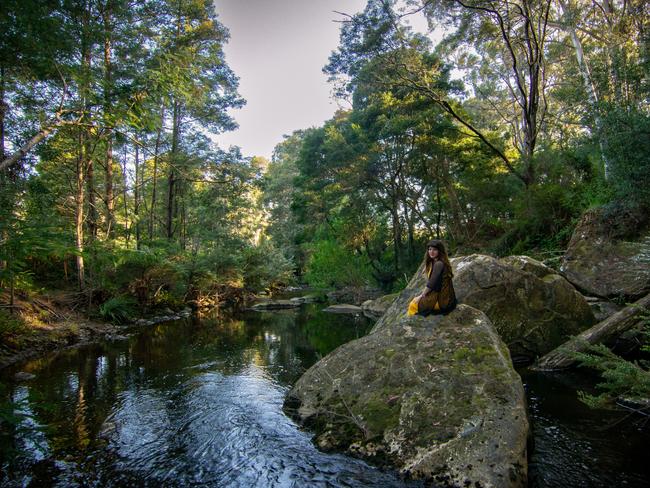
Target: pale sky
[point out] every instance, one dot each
(278, 48)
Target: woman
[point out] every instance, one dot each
(438, 295)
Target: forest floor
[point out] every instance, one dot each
(40, 324)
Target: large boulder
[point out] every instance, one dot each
(533, 308)
(435, 398)
(603, 261)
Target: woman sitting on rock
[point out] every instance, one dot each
(438, 295)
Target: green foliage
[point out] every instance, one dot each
(265, 267)
(627, 136)
(622, 379)
(118, 309)
(332, 265)
(11, 328)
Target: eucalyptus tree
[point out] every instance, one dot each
(608, 43)
(195, 83)
(279, 191)
(380, 34)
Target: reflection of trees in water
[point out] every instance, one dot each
(326, 331)
(70, 397)
(75, 391)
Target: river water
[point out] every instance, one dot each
(199, 403)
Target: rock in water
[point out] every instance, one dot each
(606, 266)
(533, 308)
(275, 305)
(344, 308)
(435, 398)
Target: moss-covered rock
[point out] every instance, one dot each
(606, 265)
(435, 398)
(533, 308)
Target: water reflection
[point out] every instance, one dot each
(577, 446)
(186, 404)
(198, 403)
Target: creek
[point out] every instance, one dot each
(199, 403)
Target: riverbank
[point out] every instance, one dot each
(41, 324)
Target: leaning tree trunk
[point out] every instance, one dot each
(564, 356)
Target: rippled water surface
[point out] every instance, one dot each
(575, 446)
(199, 403)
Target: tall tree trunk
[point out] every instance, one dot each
(86, 53)
(108, 87)
(3, 183)
(3, 111)
(79, 210)
(136, 198)
(83, 156)
(172, 201)
(444, 175)
(125, 186)
(154, 182)
(92, 204)
(397, 235)
(568, 24)
(171, 179)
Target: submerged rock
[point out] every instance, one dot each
(376, 308)
(343, 308)
(275, 305)
(605, 265)
(435, 398)
(314, 298)
(24, 376)
(533, 308)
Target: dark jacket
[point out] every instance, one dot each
(441, 291)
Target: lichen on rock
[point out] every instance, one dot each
(435, 398)
(606, 265)
(533, 308)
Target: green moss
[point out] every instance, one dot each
(389, 353)
(379, 415)
(462, 353)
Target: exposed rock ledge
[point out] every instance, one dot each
(435, 398)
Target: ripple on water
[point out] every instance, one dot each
(223, 430)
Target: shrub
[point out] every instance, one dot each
(120, 309)
(266, 267)
(332, 265)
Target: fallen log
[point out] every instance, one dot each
(563, 356)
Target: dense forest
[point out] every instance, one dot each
(496, 137)
(505, 128)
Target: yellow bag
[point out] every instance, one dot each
(414, 305)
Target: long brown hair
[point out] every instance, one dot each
(442, 256)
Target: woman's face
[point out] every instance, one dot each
(433, 252)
